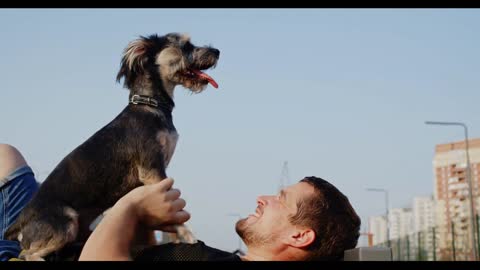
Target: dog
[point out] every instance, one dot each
(133, 149)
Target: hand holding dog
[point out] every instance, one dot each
(157, 206)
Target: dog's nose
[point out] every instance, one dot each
(216, 52)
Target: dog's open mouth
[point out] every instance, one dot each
(197, 75)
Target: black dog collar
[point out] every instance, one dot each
(138, 99)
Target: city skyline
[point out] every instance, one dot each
(446, 210)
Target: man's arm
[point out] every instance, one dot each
(156, 207)
(111, 239)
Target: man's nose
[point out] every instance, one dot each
(264, 199)
(260, 200)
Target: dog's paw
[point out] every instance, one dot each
(34, 258)
(185, 235)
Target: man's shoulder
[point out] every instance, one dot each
(185, 252)
(215, 254)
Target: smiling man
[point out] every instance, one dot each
(310, 220)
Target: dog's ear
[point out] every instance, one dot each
(133, 61)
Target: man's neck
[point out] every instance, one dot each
(283, 253)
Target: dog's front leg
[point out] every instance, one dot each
(148, 175)
(144, 237)
(152, 172)
(183, 234)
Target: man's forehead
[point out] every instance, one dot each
(300, 189)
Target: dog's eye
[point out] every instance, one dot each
(188, 47)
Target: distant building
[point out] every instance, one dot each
(401, 222)
(401, 228)
(452, 196)
(377, 226)
(424, 222)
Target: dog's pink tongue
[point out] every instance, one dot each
(206, 77)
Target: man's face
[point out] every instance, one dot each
(270, 222)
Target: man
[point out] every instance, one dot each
(310, 220)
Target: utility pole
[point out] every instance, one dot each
(284, 177)
(469, 183)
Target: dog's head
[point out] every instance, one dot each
(166, 61)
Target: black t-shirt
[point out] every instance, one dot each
(164, 252)
(184, 252)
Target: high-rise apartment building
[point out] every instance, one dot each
(451, 194)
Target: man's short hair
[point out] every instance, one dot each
(329, 213)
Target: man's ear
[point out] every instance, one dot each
(301, 237)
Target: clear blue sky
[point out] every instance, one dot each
(340, 94)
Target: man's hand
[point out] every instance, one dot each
(158, 206)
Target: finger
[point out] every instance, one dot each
(168, 228)
(181, 217)
(178, 218)
(178, 205)
(165, 184)
(172, 194)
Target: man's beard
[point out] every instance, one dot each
(249, 236)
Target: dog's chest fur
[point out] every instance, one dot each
(168, 141)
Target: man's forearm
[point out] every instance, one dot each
(112, 238)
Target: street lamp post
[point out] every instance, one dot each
(469, 180)
(386, 210)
